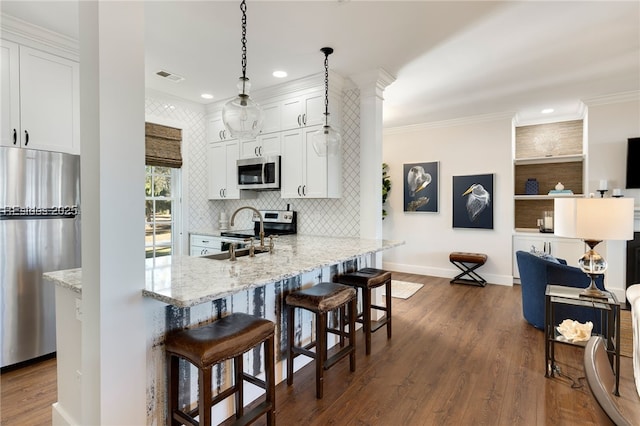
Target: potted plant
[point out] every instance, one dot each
(386, 186)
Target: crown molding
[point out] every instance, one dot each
(484, 118)
(579, 114)
(615, 98)
(286, 89)
(28, 34)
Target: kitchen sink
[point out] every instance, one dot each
(239, 253)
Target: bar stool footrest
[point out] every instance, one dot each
(251, 415)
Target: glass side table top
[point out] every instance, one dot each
(571, 295)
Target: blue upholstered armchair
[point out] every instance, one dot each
(536, 272)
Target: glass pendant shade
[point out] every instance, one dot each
(326, 141)
(242, 116)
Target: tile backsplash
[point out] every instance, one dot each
(337, 217)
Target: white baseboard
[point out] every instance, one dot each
(59, 417)
(506, 280)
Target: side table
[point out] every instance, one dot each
(609, 309)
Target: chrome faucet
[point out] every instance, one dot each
(233, 216)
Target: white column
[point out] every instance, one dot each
(113, 379)
(371, 85)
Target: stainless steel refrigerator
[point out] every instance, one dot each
(39, 232)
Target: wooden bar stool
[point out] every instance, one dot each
(321, 299)
(367, 279)
(210, 344)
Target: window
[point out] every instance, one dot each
(162, 191)
(163, 159)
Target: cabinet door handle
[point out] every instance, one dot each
(549, 247)
(220, 193)
(304, 119)
(299, 120)
(26, 138)
(299, 191)
(260, 151)
(255, 152)
(304, 190)
(15, 136)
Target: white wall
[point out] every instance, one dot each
(112, 128)
(464, 147)
(612, 121)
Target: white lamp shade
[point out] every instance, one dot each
(596, 219)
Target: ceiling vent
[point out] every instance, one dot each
(170, 76)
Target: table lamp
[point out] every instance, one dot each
(594, 220)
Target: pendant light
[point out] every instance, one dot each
(242, 116)
(326, 141)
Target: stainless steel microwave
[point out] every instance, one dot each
(259, 173)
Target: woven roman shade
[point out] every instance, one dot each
(162, 146)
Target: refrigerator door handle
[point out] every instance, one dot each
(26, 138)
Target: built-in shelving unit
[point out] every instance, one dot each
(550, 153)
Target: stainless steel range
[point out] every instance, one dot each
(276, 222)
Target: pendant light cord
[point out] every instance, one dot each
(243, 8)
(326, 85)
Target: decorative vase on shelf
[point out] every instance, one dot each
(531, 186)
(559, 186)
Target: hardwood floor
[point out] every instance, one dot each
(27, 394)
(459, 355)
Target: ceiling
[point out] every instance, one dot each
(451, 59)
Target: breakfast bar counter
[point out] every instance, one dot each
(182, 292)
(185, 281)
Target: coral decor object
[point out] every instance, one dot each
(574, 331)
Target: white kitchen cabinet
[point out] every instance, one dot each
(302, 111)
(272, 117)
(216, 131)
(265, 145)
(10, 85)
(222, 158)
(569, 249)
(40, 100)
(222, 170)
(200, 245)
(304, 173)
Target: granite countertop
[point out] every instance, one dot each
(186, 281)
(68, 278)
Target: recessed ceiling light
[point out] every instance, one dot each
(206, 96)
(547, 111)
(280, 74)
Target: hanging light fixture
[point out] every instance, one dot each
(326, 141)
(242, 116)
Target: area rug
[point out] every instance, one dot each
(403, 289)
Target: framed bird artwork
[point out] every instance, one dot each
(421, 187)
(473, 201)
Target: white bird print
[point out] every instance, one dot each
(477, 201)
(417, 179)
